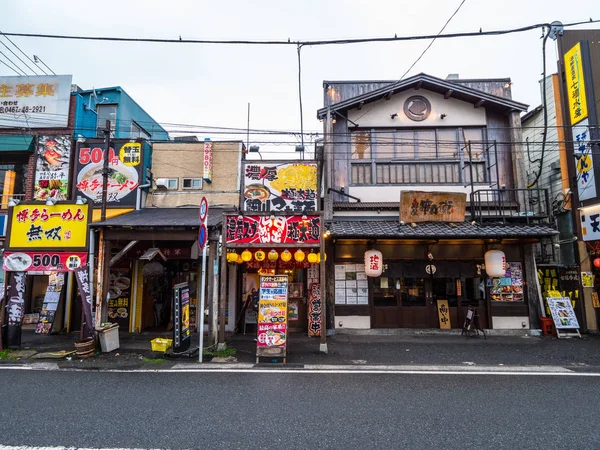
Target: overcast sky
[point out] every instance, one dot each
(211, 85)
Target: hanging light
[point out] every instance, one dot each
(313, 257)
(259, 255)
(319, 257)
(299, 255)
(373, 263)
(232, 257)
(273, 255)
(240, 260)
(246, 255)
(286, 255)
(495, 263)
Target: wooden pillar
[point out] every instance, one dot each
(223, 299)
(322, 286)
(99, 281)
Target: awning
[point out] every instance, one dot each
(393, 229)
(16, 143)
(163, 217)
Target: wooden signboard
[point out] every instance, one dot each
(419, 206)
(444, 314)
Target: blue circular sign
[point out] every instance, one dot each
(203, 209)
(202, 236)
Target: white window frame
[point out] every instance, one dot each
(192, 187)
(169, 180)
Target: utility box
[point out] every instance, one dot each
(109, 337)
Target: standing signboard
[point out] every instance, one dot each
(50, 305)
(125, 171)
(272, 317)
(182, 334)
(563, 316)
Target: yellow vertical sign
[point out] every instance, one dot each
(444, 314)
(575, 84)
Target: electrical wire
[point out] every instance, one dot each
(21, 71)
(10, 68)
(17, 56)
(433, 40)
(19, 48)
(298, 42)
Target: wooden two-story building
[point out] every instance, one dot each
(460, 142)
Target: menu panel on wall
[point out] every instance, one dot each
(508, 289)
(351, 285)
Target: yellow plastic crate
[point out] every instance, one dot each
(161, 344)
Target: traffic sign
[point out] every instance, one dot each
(203, 209)
(202, 236)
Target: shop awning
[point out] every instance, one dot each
(16, 143)
(163, 217)
(463, 230)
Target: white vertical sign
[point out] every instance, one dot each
(586, 181)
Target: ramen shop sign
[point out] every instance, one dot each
(273, 229)
(125, 162)
(61, 226)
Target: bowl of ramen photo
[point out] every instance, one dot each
(89, 180)
(17, 262)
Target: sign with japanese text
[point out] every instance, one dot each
(314, 309)
(119, 289)
(43, 261)
(584, 165)
(575, 84)
(53, 155)
(272, 313)
(273, 230)
(590, 224)
(83, 282)
(444, 314)
(35, 101)
(419, 206)
(47, 315)
(508, 288)
(60, 226)
(125, 163)
(279, 187)
(182, 333)
(562, 311)
(208, 161)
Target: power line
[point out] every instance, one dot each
(17, 56)
(10, 68)
(433, 40)
(19, 48)
(298, 42)
(21, 71)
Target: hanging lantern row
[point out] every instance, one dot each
(286, 256)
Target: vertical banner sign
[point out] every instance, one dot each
(83, 282)
(208, 161)
(181, 318)
(575, 84)
(444, 314)
(53, 156)
(272, 316)
(586, 181)
(15, 308)
(314, 310)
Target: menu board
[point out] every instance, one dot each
(48, 313)
(509, 288)
(181, 318)
(118, 304)
(272, 314)
(562, 311)
(351, 285)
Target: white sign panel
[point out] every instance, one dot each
(590, 223)
(562, 313)
(35, 101)
(586, 181)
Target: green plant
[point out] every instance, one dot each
(229, 351)
(153, 360)
(4, 354)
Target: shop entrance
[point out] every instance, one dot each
(402, 299)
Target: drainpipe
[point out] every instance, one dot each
(138, 197)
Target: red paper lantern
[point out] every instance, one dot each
(597, 263)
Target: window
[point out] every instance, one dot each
(138, 132)
(13, 177)
(172, 184)
(106, 112)
(361, 145)
(192, 183)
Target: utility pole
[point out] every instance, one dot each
(105, 172)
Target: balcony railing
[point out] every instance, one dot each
(7, 198)
(490, 206)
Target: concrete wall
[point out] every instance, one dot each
(185, 160)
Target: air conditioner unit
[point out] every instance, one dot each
(162, 183)
(555, 165)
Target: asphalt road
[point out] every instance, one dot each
(297, 410)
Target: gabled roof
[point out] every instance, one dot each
(430, 83)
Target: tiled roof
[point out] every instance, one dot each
(163, 217)
(393, 229)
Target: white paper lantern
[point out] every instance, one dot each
(495, 263)
(373, 263)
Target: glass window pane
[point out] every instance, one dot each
(426, 146)
(447, 144)
(412, 291)
(475, 135)
(361, 145)
(405, 145)
(384, 145)
(106, 112)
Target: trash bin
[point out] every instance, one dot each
(109, 337)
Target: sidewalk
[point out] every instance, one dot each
(408, 349)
